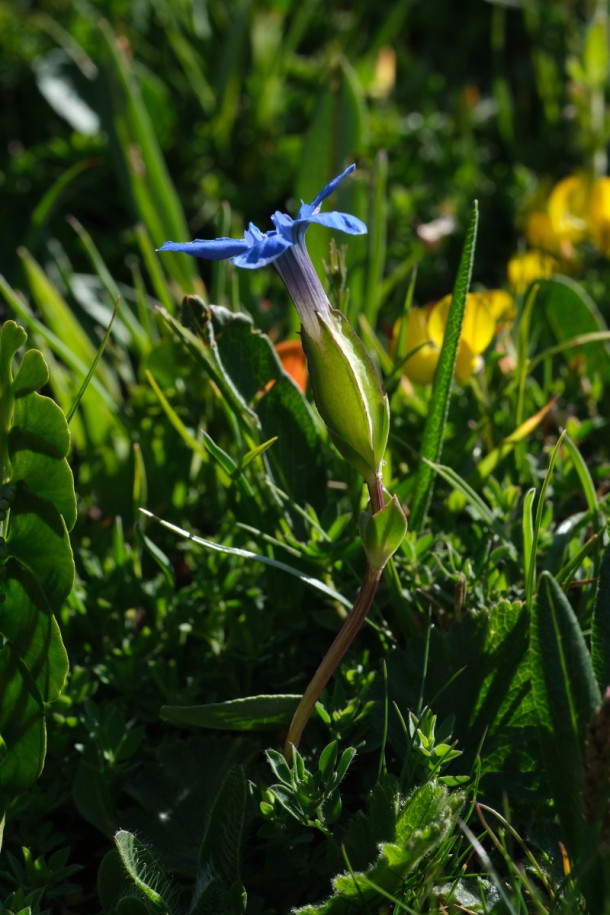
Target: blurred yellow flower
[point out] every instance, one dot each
(500, 303)
(421, 364)
(568, 207)
(599, 215)
(426, 330)
(539, 232)
(524, 268)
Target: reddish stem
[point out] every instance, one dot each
(341, 643)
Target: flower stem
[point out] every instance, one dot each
(340, 645)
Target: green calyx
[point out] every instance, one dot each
(348, 394)
(382, 533)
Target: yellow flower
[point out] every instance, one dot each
(500, 303)
(421, 364)
(568, 207)
(539, 232)
(599, 215)
(524, 268)
(426, 330)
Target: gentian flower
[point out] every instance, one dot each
(284, 247)
(344, 381)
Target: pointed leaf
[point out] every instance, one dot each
(222, 843)
(600, 628)
(144, 870)
(432, 441)
(253, 713)
(565, 697)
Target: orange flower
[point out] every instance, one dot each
(293, 361)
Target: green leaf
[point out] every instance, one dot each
(476, 501)
(247, 554)
(432, 440)
(382, 533)
(145, 871)
(113, 882)
(600, 626)
(31, 374)
(92, 796)
(328, 760)
(33, 630)
(63, 83)
(93, 366)
(533, 536)
(253, 713)
(377, 229)
(280, 767)
(595, 55)
(250, 364)
(565, 697)
(61, 320)
(38, 443)
(22, 726)
(426, 819)
(135, 142)
(38, 539)
(584, 474)
(222, 843)
(297, 458)
(571, 312)
(36, 565)
(529, 555)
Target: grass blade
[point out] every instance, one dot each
(91, 371)
(432, 441)
(247, 554)
(600, 628)
(475, 500)
(530, 580)
(565, 697)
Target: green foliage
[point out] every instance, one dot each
(252, 713)
(37, 509)
(425, 821)
(565, 696)
(312, 798)
(432, 438)
(475, 694)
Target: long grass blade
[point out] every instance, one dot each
(247, 554)
(91, 371)
(432, 441)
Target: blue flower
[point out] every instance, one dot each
(344, 381)
(257, 249)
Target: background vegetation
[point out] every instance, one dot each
(125, 124)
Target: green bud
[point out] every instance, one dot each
(382, 533)
(347, 392)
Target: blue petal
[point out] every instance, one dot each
(284, 225)
(215, 249)
(253, 234)
(262, 252)
(343, 222)
(308, 208)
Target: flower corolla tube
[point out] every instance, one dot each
(344, 381)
